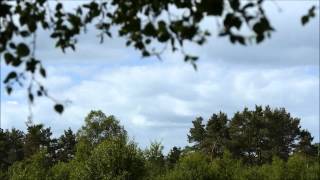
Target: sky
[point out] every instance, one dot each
(157, 100)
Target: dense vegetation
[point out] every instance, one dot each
(260, 144)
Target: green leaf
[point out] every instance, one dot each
(58, 108)
(23, 50)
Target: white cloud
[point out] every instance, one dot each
(159, 101)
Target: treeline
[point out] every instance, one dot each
(262, 144)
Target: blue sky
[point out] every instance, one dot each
(157, 100)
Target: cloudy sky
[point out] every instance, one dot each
(157, 100)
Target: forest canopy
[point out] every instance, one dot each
(263, 143)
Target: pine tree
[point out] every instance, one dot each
(37, 138)
(66, 146)
(217, 135)
(197, 133)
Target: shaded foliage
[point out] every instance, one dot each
(37, 137)
(254, 136)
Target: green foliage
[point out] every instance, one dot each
(83, 150)
(113, 159)
(301, 167)
(304, 145)
(102, 150)
(65, 149)
(197, 165)
(11, 147)
(155, 160)
(217, 135)
(119, 159)
(173, 156)
(37, 137)
(255, 136)
(33, 168)
(259, 135)
(192, 166)
(60, 171)
(99, 127)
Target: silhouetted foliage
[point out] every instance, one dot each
(143, 24)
